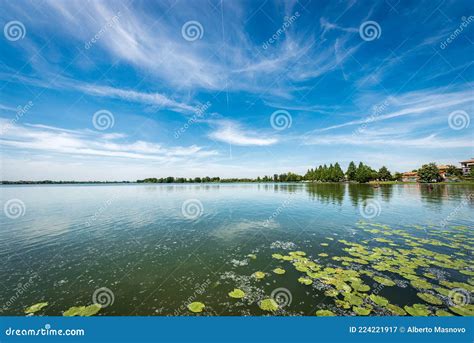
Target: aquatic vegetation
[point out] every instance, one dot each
(430, 298)
(259, 275)
(82, 311)
(343, 304)
(353, 299)
(379, 300)
(36, 307)
(384, 281)
(443, 313)
(277, 256)
(464, 310)
(417, 310)
(361, 311)
(421, 283)
(323, 254)
(279, 271)
(325, 313)
(252, 256)
(396, 310)
(331, 293)
(305, 281)
(268, 305)
(324, 244)
(237, 293)
(196, 307)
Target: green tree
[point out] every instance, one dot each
(429, 173)
(338, 173)
(453, 171)
(351, 171)
(384, 174)
(397, 176)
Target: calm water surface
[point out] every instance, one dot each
(156, 256)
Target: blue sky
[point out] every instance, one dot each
(122, 90)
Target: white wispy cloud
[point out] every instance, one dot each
(231, 132)
(49, 139)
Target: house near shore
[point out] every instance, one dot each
(466, 166)
(410, 177)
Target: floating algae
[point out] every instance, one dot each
(196, 307)
(237, 293)
(36, 307)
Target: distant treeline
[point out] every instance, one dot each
(49, 182)
(332, 173)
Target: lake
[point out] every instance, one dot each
(152, 249)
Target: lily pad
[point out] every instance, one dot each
(417, 310)
(396, 310)
(259, 275)
(196, 307)
(443, 313)
(381, 301)
(237, 293)
(36, 307)
(82, 311)
(268, 305)
(305, 281)
(279, 271)
(277, 256)
(466, 310)
(430, 298)
(361, 311)
(323, 254)
(384, 281)
(325, 313)
(252, 256)
(421, 283)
